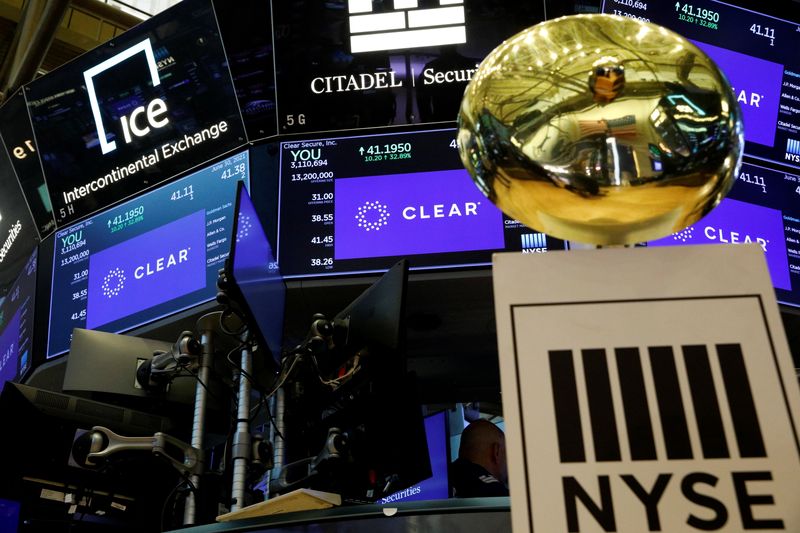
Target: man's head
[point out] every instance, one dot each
(484, 444)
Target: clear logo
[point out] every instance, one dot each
(243, 227)
(372, 216)
(405, 26)
(684, 235)
(113, 282)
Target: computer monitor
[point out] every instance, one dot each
(117, 358)
(255, 281)
(375, 320)
(9, 516)
(41, 427)
(436, 487)
(361, 388)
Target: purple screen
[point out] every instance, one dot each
(145, 271)
(757, 86)
(256, 274)
(435, 487)
(739, 222)
(9, 516)
(9, 350)
(407, 214)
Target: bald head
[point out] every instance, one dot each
(484, 444)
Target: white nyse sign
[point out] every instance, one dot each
(647, 389)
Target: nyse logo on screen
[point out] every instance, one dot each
(718, 404)
(405, 26)
(793, 150)
(143, 118)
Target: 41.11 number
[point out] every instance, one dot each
(764, 31)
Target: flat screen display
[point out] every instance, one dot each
(757, 53)
(256, 275)
(9, 516)
(16, 325)
(359, 64)
(246, 27)
(435, 487)
(150, 104)
(358, 204)
(764, 208)
(17, 135)
(18, 233)
(146, 258)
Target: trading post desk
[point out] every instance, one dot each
(454, 515)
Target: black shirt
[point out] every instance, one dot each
(469, 480)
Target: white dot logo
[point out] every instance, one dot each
(244, 227)
(372, 216)
(684, 235)
(113, 283)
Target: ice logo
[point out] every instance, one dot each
(372, 216)
(243, 227)
(113, 283)
(153, 112)
(684, 235)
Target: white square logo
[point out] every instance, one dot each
(405, 26)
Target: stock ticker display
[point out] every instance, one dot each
(357, 204)
(163, 100)
(762, 208)
(363, 64)
(16, 133)
(146, 258)
(757, 53)
(146, 106)
(16, 324)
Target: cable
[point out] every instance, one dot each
(282, 379)
(238, 366)
(184, 481)
(274, 425)
(337, 382)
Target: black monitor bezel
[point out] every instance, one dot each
(235, 292)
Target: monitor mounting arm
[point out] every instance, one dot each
(296, 474)
(102, 443)
(158, 372)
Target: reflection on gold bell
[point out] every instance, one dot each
(601, 129)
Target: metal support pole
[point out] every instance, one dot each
(35, 32)
(206, 326)
(278, 444)
(241, 439)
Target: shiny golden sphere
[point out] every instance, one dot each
(601, 129)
